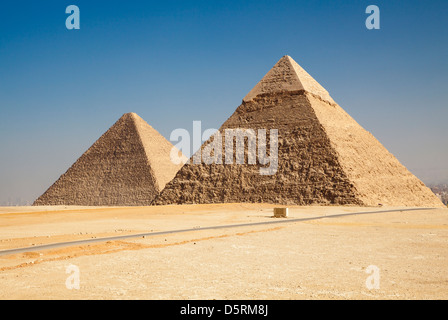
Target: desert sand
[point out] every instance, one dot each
(315, 259)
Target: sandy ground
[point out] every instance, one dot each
(317, 259)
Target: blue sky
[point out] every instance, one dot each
(173, 62)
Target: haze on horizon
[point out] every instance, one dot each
(174, 62)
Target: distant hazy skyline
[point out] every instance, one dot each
(174, 62)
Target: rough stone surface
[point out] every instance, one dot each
(377, 174)
(308, 169)
(287, 75)
(127, 166)
(324, 156)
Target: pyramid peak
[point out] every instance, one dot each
(130, 115)
(134, 118)
(288, 75)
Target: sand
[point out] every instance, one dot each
(315, 259)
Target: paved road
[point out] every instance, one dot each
(148, 234)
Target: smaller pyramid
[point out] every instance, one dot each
(127, 166)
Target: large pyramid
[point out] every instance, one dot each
(324, 156)
(127, 166)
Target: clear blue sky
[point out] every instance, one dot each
(173, 62)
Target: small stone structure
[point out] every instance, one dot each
(280, 212)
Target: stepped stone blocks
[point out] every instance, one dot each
(127, 166)
(324, 156)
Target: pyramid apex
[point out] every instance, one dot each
(288, 75)
(132, 115)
